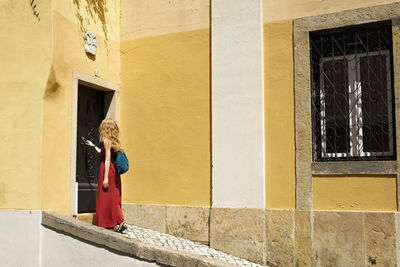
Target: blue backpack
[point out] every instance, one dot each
(121, 163)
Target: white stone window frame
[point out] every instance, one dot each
(355, 99)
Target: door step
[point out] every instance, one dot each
(87, 217)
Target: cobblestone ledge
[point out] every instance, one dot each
(123, 244)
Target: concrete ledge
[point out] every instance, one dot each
(354, 167)
(125, 244)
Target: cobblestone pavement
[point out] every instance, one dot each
(156, 238)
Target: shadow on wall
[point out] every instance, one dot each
(52, 85)
(97, 10)
(34, 9)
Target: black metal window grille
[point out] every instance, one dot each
(352, 93)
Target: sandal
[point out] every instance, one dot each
(120, 228)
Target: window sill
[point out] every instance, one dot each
(354, 167)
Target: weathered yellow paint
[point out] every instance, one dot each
(280, 183)
(40, 47)
(144, 18)
(354, 193)
(99, 16)
(26, 54)
(69, 54)
(165, 118)
(289, 9)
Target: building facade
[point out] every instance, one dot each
(266, 129)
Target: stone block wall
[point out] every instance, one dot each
(186, 222)
(331, 238)
(240, 232)
(281, 237)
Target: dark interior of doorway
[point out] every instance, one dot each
(92, 108)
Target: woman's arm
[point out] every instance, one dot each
(97, 149)
(107, 147)
(89, 143)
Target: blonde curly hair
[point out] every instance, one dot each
(109, 130)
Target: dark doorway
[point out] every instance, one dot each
(91, 111)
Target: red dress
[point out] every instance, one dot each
(108, 202)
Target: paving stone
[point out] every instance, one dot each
(165, 240)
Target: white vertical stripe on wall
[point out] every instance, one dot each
(237, 104)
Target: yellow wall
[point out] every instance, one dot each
(165, 101)
(280, 183)
(354, 193)
(144, 18)
(289, 9)
(25, 56)
(165, 108)
(39, 105)
(70, 20)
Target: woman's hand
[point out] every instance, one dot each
(105, 184)
(89, 143)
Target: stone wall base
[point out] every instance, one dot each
(331, 238)
(187, 222)
(281, 237)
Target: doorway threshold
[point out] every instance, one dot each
(89, 217)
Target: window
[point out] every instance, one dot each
(352, 93)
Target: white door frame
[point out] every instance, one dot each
(113, 112)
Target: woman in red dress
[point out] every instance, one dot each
(108, 202)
